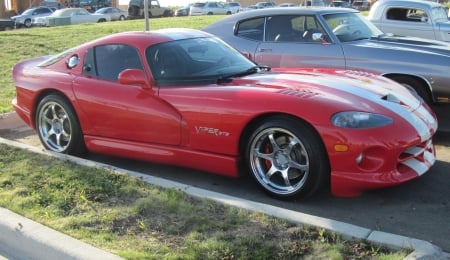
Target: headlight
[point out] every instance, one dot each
(359, 120)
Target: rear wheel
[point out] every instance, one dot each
(287, 158)
(58, 127)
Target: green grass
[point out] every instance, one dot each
(135, 220)
(22, 44)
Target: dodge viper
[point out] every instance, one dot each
(184, 97)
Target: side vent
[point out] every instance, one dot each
(298, 93)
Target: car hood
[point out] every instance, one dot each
(413, 44)
(346, 84)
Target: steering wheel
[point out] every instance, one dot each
(341, 29)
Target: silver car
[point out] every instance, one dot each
(338, 38)
(114, 13)
(28, 15)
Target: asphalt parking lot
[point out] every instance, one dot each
(419, 209)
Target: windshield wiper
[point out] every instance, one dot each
(252, 70)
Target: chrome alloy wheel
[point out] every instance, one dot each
(279, 161)
(54, 126)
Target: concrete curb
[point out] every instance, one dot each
(31, 240)
(422, 249)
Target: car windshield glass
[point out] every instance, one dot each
(195, 59)
(439, 14)
(28, 12)
(351, 26)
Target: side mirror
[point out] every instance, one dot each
(133, 77)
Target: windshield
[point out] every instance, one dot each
(351, 26)
(28, 12)
(195, 59)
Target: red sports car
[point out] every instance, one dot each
(184, 97)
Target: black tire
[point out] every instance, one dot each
(58, 127)
(415, 85)
(287, 158)
(122, 18)
(133, 11)
(102, 20)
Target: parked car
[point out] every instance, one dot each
(338, 38)
(248, 8)
(184, 11)
(417, 18)
(194, 101)
(69, 16)
(209, 8)
(261, 5)
(362, 5)
(25, 19)
(344, 4)
(313, 3)
(6, 24)
(287, 5)
(136, 9)
(233, 6)
(115, 14)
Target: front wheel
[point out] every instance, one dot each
(58, 127)
(415, 85)
(287, 158)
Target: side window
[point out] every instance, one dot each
(398, 14)
(107, 61)
(289, 28)
(408, 15)
(251, 29)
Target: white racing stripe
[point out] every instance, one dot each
(420, 118)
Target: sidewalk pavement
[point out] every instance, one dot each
(21, 238)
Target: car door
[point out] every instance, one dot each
(288, 42)
(118, 111)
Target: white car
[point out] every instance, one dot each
(234, 7)
(209, 8)
(417, 18)
(114, 13)
(70, 16)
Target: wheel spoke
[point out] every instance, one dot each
(285, 176)
(273, 142)
(298, 166)
(264, 156)
(270, 173)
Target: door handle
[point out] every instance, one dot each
(264, 50)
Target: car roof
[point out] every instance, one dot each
(408, 3)
(289, 11)
(144, 38)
